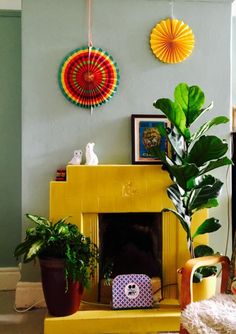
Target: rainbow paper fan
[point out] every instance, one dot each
(88, 77)
(172, 41)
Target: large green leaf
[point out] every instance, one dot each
(61, 228)
(191, 100)
(175, 114)
(207, 148)
(203, 250)
(34, 250)
(205, 271)
(200, 181)
(208, 226)
(205, 127)
(24, 247)
(208, 204)
(206, 196)
(183, 173)
(216, 164)
(38, 220)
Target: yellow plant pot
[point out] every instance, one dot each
(202, 290)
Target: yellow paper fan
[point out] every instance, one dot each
(172, 41)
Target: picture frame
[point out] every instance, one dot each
(144, 133)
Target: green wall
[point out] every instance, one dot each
(10, 135)
(53, 127)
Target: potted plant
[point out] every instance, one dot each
(67, 259)
(194, 155)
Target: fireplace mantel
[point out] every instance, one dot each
(110, 188)
(90, 190)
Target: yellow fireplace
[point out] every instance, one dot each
(92, 190)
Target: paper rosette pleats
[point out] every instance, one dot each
(172, 41)
(88, 77)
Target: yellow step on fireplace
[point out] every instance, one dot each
(93, 190)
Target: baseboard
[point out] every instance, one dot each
(29, 294)
(9, 276)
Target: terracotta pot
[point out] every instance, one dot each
(59, 302)
(202, 290)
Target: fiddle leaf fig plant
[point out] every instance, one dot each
(194, 154)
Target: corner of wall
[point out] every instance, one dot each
(9, 278)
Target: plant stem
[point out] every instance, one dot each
(191, 248)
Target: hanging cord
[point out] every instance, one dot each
(89, 9)
(228, 210)
(229, 220)
(90, 39)
(171, 3)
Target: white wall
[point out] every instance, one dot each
(234, 58)
(10, 4)
(53, 127)
(234, 8)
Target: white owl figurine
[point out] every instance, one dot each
(77, 158)
(91, 157)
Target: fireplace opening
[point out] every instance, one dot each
(130, 243)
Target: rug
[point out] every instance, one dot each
(216, 315)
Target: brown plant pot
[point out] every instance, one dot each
(59, 302)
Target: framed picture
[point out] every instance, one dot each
(144, 135)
